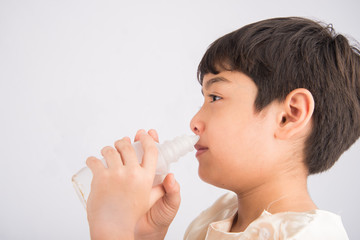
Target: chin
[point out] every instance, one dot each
(203, 175)
(211, 179)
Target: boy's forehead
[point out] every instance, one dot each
(211, 79)
(228, 77)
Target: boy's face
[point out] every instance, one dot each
(236, 148)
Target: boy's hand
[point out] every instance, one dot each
(122, 202)
(155, 223)
(122, 193)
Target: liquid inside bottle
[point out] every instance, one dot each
(169, 152)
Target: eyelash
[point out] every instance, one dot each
(214, 98)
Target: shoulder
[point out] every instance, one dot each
(324, 225)
(224, 207)
(317, 224)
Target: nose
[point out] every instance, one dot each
(196, 124)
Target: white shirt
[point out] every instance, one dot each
(215, 224)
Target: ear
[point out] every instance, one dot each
(295, 115)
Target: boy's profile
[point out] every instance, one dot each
(281, 102)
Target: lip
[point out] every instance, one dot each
(200, 149)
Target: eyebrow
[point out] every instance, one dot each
(214, 80)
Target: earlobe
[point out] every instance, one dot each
(295, 115)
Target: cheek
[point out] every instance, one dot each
(240, 145)
(227, 134)
(241, 151)
(235, 143)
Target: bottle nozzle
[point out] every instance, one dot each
(194, 139)
(178, 147)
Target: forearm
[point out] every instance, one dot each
(155, 235)
(110, 233)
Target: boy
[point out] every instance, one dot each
(281, 102)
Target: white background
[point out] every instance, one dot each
(77, 75)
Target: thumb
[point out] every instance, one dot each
(172, 196)
(156, 193)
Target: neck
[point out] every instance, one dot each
(283, 193)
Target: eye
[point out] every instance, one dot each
(214, 98)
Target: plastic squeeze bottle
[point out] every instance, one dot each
(169, 152)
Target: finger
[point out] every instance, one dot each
(156, 193)
(150, 152)
(112, 157)
(127, 152)
(95, 165)
(172, 189)
(127, 139)
(138, 133)
(154, 135)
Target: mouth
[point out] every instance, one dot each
(200, 149)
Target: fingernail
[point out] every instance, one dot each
(172, 180)
(141, 132)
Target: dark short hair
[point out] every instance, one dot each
(283, 54)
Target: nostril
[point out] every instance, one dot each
(196, 130)
(196, 126)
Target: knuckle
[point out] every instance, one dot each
(143, 136)
(140, 131)
(127, 139)
(92, 161)
(123, 145)
(118, 143)
(107, 150)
